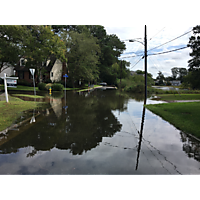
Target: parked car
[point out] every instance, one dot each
(103, 83)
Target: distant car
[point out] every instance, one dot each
(103, 83)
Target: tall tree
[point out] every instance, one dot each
(175, 72)
(11, 40)
(40, 44)
(82, 55)
(194, 43)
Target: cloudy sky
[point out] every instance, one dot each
(156, 36)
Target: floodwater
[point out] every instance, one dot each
(101, 132)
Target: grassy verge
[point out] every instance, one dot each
(20, 87)
(27, 95)
(184, 116)
(171, 97)
(11, 111)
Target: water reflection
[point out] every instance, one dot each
(140, 139)
(80, 129)
(96, 132)
(190, 146)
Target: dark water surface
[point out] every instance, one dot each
(103, 132)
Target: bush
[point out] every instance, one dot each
(24, 82)
(57, 87)
(48, 86)
(41, 86)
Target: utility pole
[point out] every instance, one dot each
(121, 75)
(145, 61)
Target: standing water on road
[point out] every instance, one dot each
(101, 132)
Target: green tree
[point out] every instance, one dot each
(175, 71)
(160, 78)
(194, 64)
(39, 45)
(11, 40)
(110, 47)
(194, 44)
(83, 55)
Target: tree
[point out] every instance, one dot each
(182, 72)
(160, 78)
(194, 43)
(194, 64)
(83, 55)
(175, 72)
(11, 39)
(110, 47)
(39, 45)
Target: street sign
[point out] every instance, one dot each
(65, 75)
(5, 84)
(32, 71)
(11, 83)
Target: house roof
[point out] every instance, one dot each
(48, 67)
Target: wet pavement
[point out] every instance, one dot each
(100, 132)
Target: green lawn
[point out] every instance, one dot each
(171, 97)
(27, 95)
(184, 116)
(11, 111)
(21, 87)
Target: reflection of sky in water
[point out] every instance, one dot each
(161, 151)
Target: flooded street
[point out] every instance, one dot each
(101, 132)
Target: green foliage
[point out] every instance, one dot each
(11, 38)
(48, 86)
(192, 80)
(135, 83)
(41, 86)
(194, 43)
(57, 87)
(82, 55)
(24, 82)
(54, 86)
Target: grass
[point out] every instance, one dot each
(20, 87)
(184, 116)
(12, 110)
(27, 95)
(171, 97)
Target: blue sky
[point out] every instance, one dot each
(156, 35)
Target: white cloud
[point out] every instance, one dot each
(160, 34)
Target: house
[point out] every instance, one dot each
(175, 83)
(53, 71)
(8, 69)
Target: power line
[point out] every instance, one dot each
(137, 62)
(167, 51)
(171, 40)
(156, 34)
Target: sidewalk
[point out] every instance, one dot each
(179, 101)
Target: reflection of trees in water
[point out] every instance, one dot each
(190, 146)
(88, 119)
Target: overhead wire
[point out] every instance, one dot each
(171, 40)
(156, 34)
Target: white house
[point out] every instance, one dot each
(8, 69)
(175, 83)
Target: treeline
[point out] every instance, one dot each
(90, 54)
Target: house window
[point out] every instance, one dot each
(51, 74)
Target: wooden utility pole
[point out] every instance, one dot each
(145, 61)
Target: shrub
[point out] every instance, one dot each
(57, 87)
(23, 82)
(48, 86)
(41, 86)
